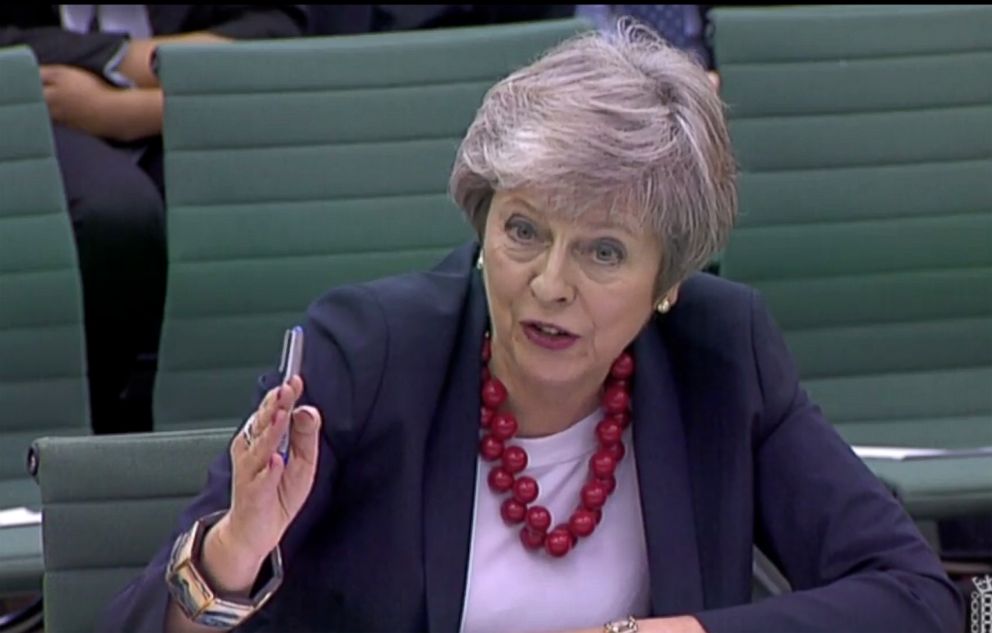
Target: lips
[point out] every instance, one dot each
(548, 328)
(548, 335)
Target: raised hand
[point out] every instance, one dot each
(266, 494)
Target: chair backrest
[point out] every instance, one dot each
(42, 377)
(109, 502)
(864, 136)
(296, 165)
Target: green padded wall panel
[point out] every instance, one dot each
(832, 32)
(864, 136)
(298, 165)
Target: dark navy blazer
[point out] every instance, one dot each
(730, 453)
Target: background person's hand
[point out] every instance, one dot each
(266, 494)
(714, 78)
(76, 98)
(79, 99)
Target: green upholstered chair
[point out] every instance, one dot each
(864, 136)
(42, 379)
(293, 166)
(109, 502)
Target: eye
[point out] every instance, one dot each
(521, 230)
(607, 252)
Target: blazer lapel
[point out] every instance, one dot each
(449, 485)
(663, 478)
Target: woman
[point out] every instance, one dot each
(532, 437)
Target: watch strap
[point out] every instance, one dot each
(193, 593)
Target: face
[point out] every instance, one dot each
(565, 297)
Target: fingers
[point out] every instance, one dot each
(266, 409)
(272, 471)
(272, 419)
(296, 382)
(51, 100)
(305, 434)
(281, 397)
(48, 73)
(306, 420)
(54, 73)
(265, 443)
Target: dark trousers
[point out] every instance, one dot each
(118, 218)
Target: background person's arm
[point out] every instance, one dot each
(210, 24)
(79, 70)
(136, 64)
(79, 99)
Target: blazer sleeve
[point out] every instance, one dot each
(54, 45)
(854, 558)
(344, 351)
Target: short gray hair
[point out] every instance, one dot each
(620, 122)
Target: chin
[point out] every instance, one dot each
(547, 367)
(552, 377)
(552, 371)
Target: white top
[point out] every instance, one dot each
(604, 578)
(126, 19)
(131, 19)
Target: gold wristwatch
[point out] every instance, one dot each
(627, 625)
(194, 595)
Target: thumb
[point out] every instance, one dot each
(305, 435)
(306, 420)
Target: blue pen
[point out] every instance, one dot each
(292, 359)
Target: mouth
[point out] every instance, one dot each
(548, 335)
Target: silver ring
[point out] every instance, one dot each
(246, 431)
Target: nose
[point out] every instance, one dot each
(550, 284)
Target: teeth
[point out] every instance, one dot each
(549, 330)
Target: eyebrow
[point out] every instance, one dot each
(613, 226)
(522, 202)
(602, 224)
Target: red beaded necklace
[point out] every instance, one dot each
(499, 428)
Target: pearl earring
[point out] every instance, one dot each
(478, 262)
(664, 306)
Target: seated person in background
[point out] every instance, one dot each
(106, 109)
(561, 425)
(684, 26)
(345, 19)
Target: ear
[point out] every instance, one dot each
(671, 295)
